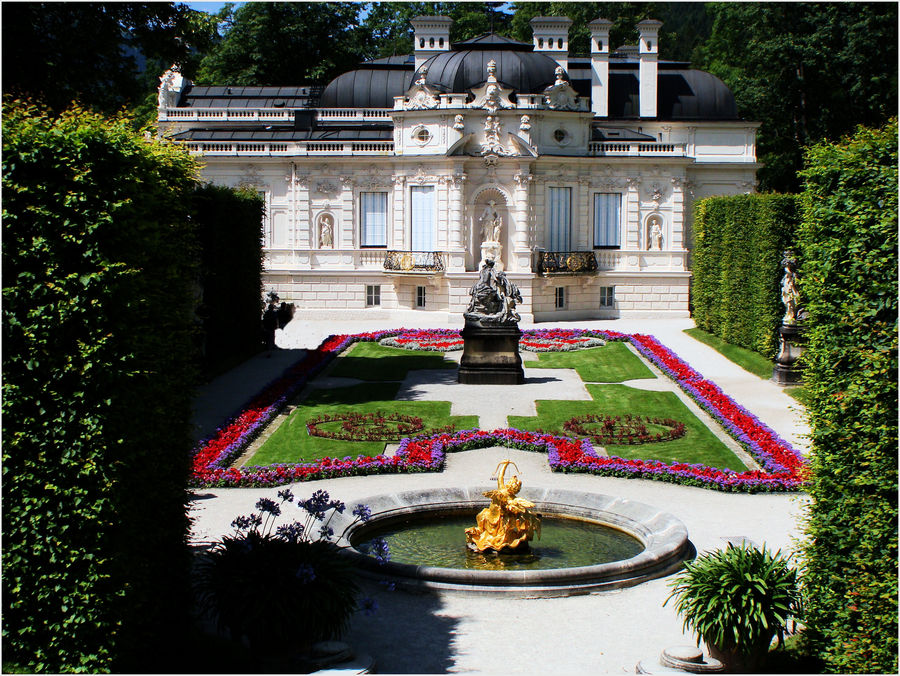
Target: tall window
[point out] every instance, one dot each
(422, 203)
(607, 216)
(560, 218)
(373, 295)
(607, 296)
(373, 218)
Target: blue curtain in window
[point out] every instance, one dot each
(422, 202)
(373, 218)
(607, 215)
(560, 218)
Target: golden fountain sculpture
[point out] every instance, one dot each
(505, 525)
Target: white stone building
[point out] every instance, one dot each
(380, 188)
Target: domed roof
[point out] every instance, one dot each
(465, 67)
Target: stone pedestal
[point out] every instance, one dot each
(492, 251)
(491, 355)
(788, 371)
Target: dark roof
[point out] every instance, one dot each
(366, 88)
(522, 71)
(223, 96)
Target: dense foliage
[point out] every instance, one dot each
(97, 267)
(104, 55)
(738, 247)
(806, 70)
(849, 240)
(229, 227)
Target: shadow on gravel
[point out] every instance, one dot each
(406, 634)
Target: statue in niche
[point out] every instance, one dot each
(654, 239)
(493, 297)
(491, 223)
(326, 231)
(790, 288)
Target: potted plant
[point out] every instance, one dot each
(282, 589)
(737, 600)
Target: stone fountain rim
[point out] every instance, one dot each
(664, 538)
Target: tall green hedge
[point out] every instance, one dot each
(736, 266)
(98, 254)
(849, 243)
(230, 230)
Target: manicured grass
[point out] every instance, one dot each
(748, 360)
(611, 363)
(371, 361)
(798, 394)
(698, 445)
(291, 442)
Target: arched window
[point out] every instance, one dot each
(431, 42)
(540, 43)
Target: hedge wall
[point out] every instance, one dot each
(97, 321)
(849, 243)
(736, 266)
(230, 232)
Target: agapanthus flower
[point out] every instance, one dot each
(363, 512)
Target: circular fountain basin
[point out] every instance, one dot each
(653, 543)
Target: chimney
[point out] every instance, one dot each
(551, 37)
(432, 36)
(600, 66)
(649, 52)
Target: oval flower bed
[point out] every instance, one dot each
(377, 426)
(783, 468)
(623, 430)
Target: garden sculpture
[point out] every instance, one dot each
(506, 525)
(493, 297)
(790, 289)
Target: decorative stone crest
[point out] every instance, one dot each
(491, 96)
(491, 144)
(250, 177)
(560, 95)
(459, 123)
(327, 188)
(421, 96)
(525, 124)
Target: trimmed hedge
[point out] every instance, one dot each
(230, 231)
(849, 244)
(736, 266)
(98, 253)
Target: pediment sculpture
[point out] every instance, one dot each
(560, 95)
(421, 96)
(170, 85)
(492, 96)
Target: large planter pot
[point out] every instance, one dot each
(741, 662)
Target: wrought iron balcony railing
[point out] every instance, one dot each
(414, 261)
(564, 262)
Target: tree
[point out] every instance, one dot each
(684, 24)
(283, 43)
(93, 53)
(807, 71)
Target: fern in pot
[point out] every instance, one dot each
(737, 600)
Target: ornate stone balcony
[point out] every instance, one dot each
(564, 262)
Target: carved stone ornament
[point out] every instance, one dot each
(491, 144)
(170, 85)
(326, 231)
(250, 176)
(491, 96)
(560, 95)
(421, 96)
(459, 123)
(525, 124)
(522, 179)
(656, 192)
(327, 188)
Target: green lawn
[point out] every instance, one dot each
(291, 442)
(371, 361)
(698, 445)
(748, 360)
(611, 363)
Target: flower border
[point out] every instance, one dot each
(783, 467)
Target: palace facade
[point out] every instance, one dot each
(385, 189)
